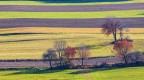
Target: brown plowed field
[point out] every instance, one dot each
(112, 7)
(84, 23)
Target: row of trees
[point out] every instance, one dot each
(62, 52)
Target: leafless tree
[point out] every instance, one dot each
(50, 55)
(111, 26)
(60, 46)
(83, 51)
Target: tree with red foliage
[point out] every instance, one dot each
(122, 48)
(111, 26)
(69, 52)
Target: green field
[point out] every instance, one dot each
(131, 73)
(100, 14)
(31, 43)
(32, 2)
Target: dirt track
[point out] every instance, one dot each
(132, 6)
(85, 23)
(38, 64)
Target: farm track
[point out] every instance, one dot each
(71, 23)
(41, 64)
(112, 7)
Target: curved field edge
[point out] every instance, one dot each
(31, 43)
(37, 3)
(73, 15)
(129, 73)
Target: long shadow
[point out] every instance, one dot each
(141, 14)
(85, 71)
(34, 71)
(79, 1)
(12, 34)
(28, 40)
(27, 33)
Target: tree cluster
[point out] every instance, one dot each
(114, 26)
(65, 54)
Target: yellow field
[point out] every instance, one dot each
(32, 42)
(62, 30)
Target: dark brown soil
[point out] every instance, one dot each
(77, 23)
(132, 6)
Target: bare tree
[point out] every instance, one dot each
(83, 51)
(50, 55)
(122, 28)
(60, 46)
(111, 26)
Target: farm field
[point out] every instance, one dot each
(129, 73)
(73, 15)
(28, 28)
(90, 8)
(69, 2)
(28, 34)
(32, 42)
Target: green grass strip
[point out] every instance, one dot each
(102, 14)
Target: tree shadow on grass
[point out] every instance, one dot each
(80, 1)
(33, 71)
(85, 71)
(141, 14)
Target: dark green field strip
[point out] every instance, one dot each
(86, 23)
(113, 7)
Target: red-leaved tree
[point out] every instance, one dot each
(122, 48)
(69, 52)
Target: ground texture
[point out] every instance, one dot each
(77, 23)
(114, 7)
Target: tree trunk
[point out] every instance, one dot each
(50, 64)
(125, 60)
(82, 61)
(114, 35)
(60, 59)
(121, 35)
